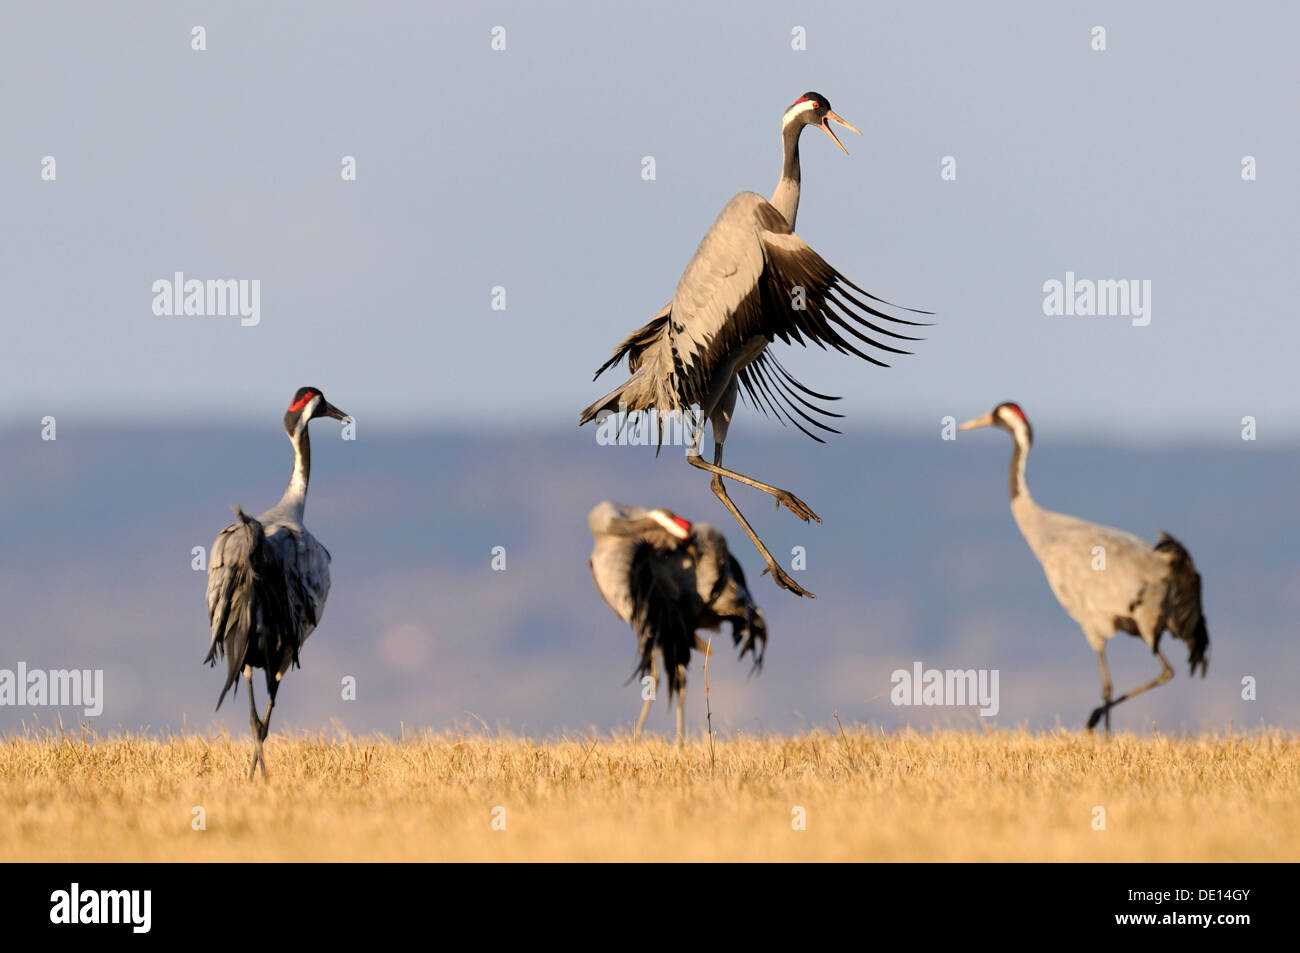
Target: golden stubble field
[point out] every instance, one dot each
(948, 795)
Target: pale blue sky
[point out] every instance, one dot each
(522, 169)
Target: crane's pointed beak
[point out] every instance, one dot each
(985, 421)
(331, 411)
(834, 117)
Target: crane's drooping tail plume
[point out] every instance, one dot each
(251, 613)
(1182, 607)
(732, 601)
(663, 617)
(666, 618)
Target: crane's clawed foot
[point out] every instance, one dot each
(1097, 715)
(785, 582)
(260, 731)
(796, 506)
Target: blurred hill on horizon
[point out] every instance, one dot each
(918, 560)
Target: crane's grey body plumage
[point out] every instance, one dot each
(1107, 580)
(733, 300)
(669, 584)
(268, 579)
(751, 282)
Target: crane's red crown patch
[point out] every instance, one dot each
(303, 401)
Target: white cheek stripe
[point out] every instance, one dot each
(662, 519)
(1012, 419)
(307, 412)
(796, 109)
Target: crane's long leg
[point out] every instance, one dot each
(256, 724)
(795, 505)
(681, 704)
(1166, 673)
(1105, 683)
(266, 720)
(645, 707)
(720, 491)
(719, 417)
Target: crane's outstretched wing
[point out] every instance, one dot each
(246, 600)
(665, 606)
(752, 281)
(769, 387)
(753, 278)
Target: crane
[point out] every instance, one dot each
(752, 281)
(668, 578)
(1107, 580)
(268, 579)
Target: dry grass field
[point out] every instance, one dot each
(1003, 795)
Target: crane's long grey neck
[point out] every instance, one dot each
(786, 197)
(1029, 516)
(1016, 482)
(295, 497)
